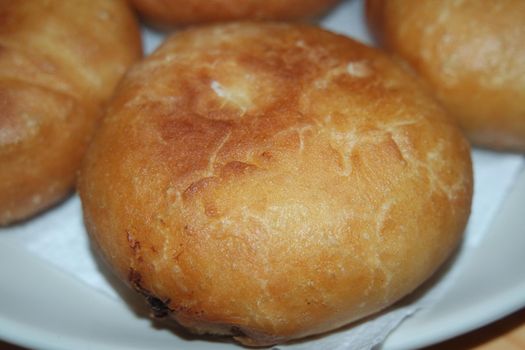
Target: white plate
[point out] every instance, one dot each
(42, 307)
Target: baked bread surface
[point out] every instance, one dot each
(184, 12)
(273, 181)
(59, 61)
(472, 55)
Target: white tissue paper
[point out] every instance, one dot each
(59, 236)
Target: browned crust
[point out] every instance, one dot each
(59, 62)
(471, 53)
(274, 180)
(184, 12)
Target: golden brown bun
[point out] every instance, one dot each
(183, 12)
(472, 54)
(59, 60)
(273, 181)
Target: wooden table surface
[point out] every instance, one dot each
(505, 334)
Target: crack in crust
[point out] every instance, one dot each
(344, 143)
(424, 168)
(213, 156)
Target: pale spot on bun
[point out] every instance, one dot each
(358, 69)
(237, 96)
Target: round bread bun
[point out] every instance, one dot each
(183, 12)
(273, 181)
(59, 61)
(471, 53)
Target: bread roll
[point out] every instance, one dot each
(59, 61)
(183, 12)
(471, 53)
(273, 181)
